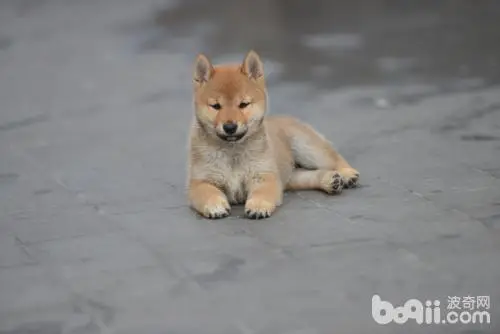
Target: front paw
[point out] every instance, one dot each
(216, 207)
(258, 208)
(350, 176)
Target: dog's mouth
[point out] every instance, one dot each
(231, 138)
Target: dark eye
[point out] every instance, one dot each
(216, 106)
(243, 105)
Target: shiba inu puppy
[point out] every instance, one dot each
(238, 155)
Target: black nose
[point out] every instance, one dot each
(230, 127)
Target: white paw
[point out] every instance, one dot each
(216, 208)
(259, 209)
(351, 177)
(333, 182)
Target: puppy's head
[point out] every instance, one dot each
(230, 100)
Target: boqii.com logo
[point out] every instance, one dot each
(462, 310)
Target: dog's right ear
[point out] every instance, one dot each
(203, 70)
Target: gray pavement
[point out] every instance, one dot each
(95, 234)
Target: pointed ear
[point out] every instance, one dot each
(203, 69)
(252, 66)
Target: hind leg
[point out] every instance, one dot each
(312, 151)
(329, 181)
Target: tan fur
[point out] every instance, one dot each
(274, 154)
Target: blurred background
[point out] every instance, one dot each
(95, 107)
(338, 44)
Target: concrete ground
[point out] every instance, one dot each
(95, 234)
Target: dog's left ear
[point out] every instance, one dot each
(252, 66)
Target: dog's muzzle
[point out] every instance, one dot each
(235, 137)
